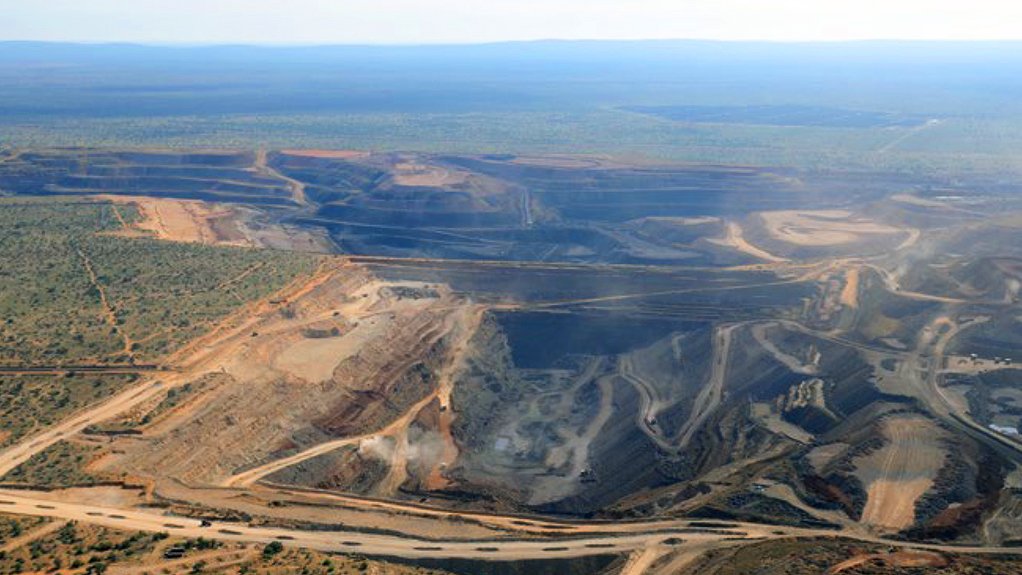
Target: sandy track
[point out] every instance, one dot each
(220, 558)
(120, 403)
(893, 286)
(29, 503)
(627, 539)
(109, 312)
(193, 358)
(915, 131)
(736, 239)
(641, 560)
(26, 538)
(297, 188)
(467, 328)
(250, 476)
(507, 523)
(791, 362)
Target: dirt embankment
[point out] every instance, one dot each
(342, 359)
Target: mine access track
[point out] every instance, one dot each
(126, 368)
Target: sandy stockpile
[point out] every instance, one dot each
(272, 392)
(190, 221)
(326, 154)
(850, 291)
(900, 472)
(314, 358)
(823, 227)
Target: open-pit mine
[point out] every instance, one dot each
(503, 364)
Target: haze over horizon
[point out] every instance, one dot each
(451, 21)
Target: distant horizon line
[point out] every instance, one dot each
(165, 44)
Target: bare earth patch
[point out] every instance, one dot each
(823, 227)
(896, 559)
(820, 456)
(189, 221)
(900, 472)
(850, 292)
(418, 174)
(196, 221)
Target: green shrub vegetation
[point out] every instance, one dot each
(60, 465)
(31, 402)
(146, 298)
(79, 548)
(73, 294)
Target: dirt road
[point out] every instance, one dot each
(651, 542)
(705, 403)
(198, 357)
(735, 239)
(297, 188)
(709, 396)
(35, 504)
(645, 542)
(250, 476)
(33, 535)
(120, 403)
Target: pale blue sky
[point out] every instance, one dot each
(434, 21)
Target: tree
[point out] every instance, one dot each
(68, 534)
(272, 549)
